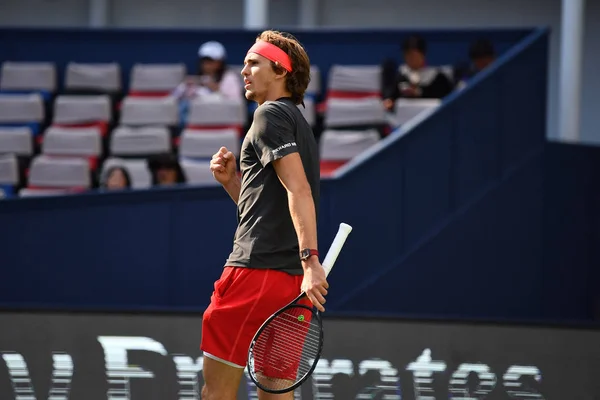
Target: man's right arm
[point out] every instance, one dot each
(224, 169)
(233, 188)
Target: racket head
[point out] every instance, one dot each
(285, 350)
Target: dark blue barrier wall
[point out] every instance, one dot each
(153, 249)
(571, 256)
(458, 229)
(164, 46)
(465, 215)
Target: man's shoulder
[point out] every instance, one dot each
(275, 109)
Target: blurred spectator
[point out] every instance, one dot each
(115, 178)
(213, 76)
(481, 54)
(415, 79)
(166, 170)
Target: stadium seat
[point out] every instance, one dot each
(16, 140)
(314, 86)
(9, 175)
(215, 112)
(308, 111)
(22, 110)
(83, 111)
(337, 147)
(141, 177)
(49, 172)
(41, 192)
(407, 109)
(88, 78)
(354, 81)
(74, 142)
(9, 170)
(6, 191)
(346, 113)
(197, 172)
(202, 144)
(149, 111)
(155, 79)
(140, 141)
(25, 77)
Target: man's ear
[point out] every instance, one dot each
(279, 70)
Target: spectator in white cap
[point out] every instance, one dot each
(213, 78)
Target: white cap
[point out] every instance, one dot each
(214, 50)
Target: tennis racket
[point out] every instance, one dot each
(286, 348)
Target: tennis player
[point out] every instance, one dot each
(274, 253)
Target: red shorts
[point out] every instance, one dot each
(243, 299)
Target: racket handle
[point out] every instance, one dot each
(336, 247)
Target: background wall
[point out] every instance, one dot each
(344, 13)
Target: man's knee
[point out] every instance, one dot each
(269, 396)
(221, 381)
(209, 393)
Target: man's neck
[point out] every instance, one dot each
(277, 94)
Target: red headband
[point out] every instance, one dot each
(273, 53)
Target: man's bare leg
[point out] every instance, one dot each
(270, 396)
(221, 381)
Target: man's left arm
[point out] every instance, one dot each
(302, 209)
(276, 144)
(290, 171)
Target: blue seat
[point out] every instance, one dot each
(46, 95)
(18, 110)
(6, 191)
(34, 126)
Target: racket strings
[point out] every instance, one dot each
(285, 348)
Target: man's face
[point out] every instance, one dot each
(258, 77)
(210, 66)
(414, 59)
(116, 180)
(166, 176)
(482, 62)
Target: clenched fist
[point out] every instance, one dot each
(223, 166)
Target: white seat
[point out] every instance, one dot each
(82, 109)
(156, 77)
(141, 177)
(308, 111)
(131, 141)
(197, 172)
(345, 145)
(355, 78)
(37, 192)
(17, 140)
(85, 142)
(59, 172)
(28, 76)
(314, 86)
(211, 111)
(21, 108)
(407, 109)
(205, 143)
(9, 169)
(102, 77)
(149, 111)
(354, 112)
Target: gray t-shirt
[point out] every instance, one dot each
(265, 236)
